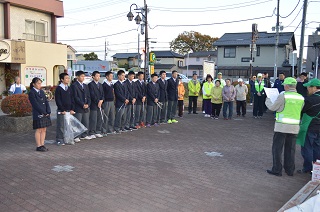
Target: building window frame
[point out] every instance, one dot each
(33, 32)
(229, 52)
(258, 51)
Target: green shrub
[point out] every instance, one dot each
(16, 105)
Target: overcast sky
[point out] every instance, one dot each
(106, 19)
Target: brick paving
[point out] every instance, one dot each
(154, 169)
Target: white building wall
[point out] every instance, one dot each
(1, 21)
(266, 58)
(17, 22)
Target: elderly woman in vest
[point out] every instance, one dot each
(206, 91)
(288, 106)
(40, 112)
(17, 87)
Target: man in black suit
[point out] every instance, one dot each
(141, 89)
(129, 123)
(82, 102)
(122, 100)
(97, 97)
(153, 94)
(172, 90)
(163, 98)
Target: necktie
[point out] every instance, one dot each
(66, 88)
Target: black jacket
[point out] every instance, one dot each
(121, 93)
(140, 90)
(40, 104)
(163, 90)
(64, 99)
(172, 89)
(96, 94)
(108, 92)
(312, 108)
(301, 89)
(81, 96)
(131, 90)
(153, 93)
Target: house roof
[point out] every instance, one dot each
(264, 38)
(193, 67)
(164, 66)
(202, 54)
(167, 54)
(72, 49)
(125, 55)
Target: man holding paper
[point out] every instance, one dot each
(288, 108)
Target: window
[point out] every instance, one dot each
(258, 51)
(198, 59)
(229, 52)
(35, 31)
(180, 63)
(69, 57)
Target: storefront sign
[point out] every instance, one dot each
(34, 71)
(18, 52)
(4, 50)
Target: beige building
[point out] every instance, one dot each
(28, 42)
(168, 61)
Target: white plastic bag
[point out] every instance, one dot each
(72, 128)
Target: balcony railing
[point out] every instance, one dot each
(41, 38)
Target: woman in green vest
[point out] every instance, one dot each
(206, 91)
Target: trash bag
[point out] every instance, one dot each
(72, 128)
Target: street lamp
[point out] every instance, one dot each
(144, 13)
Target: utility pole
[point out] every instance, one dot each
(275, 69)
(139, 52)
(303, 22)
(105, 49)
(254, 37)
(146, 41)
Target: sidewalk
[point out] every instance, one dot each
(198, 164)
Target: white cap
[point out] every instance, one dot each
(259, 75)
(240, 80)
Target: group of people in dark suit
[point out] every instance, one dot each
(106, 108)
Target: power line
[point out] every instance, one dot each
(208, 24)
(94, 21)
(295, 17)
(96, 6)
(210, 10)
(104, 36)
(291, 11)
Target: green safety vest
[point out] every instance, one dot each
(293, 105)
(305, 122)
(259, 87)
(207, 88)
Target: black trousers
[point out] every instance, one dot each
(243, 106)
(216, 108)
(288, 141)
(193, 100)
(258, 105)
(180, 108)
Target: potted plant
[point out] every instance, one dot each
(18, 110)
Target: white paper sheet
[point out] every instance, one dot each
(272, 93)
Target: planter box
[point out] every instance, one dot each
(16, 124)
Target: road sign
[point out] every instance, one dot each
(152, 57)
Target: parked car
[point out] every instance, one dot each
(184, 78)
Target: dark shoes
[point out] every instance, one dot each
(274, 173)
(302, 171)
(42, 149)
(195, 113)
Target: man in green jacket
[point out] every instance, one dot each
(194, 89)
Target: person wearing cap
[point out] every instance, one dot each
(181, 92)
(241, 97)
(259, 97)
(222, 82)
(288, 106)
(194, 89)
(301, 81)
(309, 134)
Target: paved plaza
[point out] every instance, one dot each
(198, 164)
